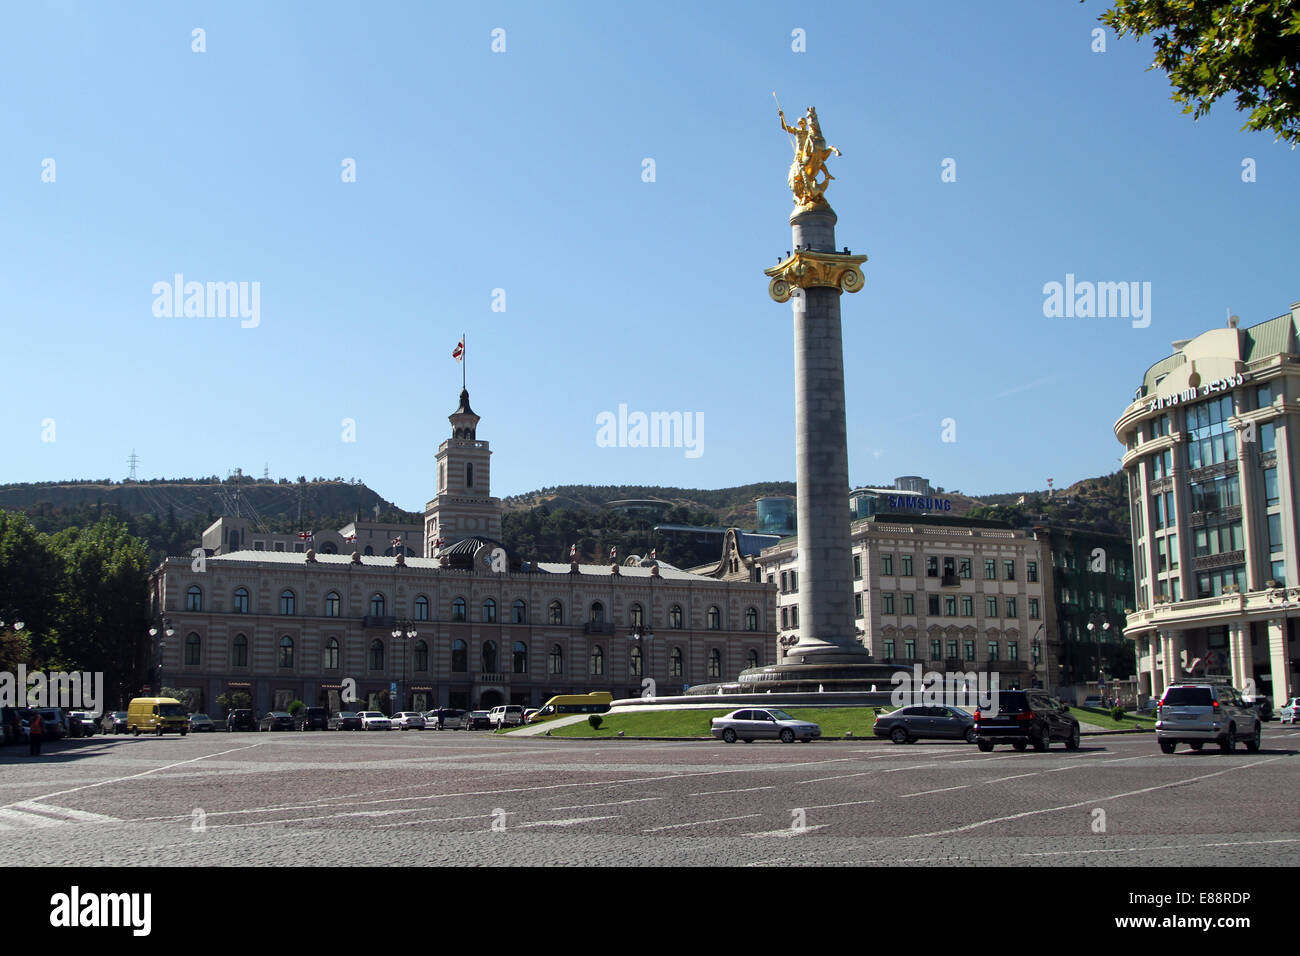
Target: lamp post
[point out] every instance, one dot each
(1036, 650)
(1094, 619)
(642, 635)
(406, 632)
(164, 628)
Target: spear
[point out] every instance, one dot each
(782, 112)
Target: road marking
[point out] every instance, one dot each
(18, 820)
(80, 816)
(1182, 846)
(711, 793)
(789, 832)
(827, 806)
(842, 776)
(1092, 802)
(700, 823)
(615, 803)
(922, 793)
(564, 823)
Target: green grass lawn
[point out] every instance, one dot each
(834, 721)
(1101, 718)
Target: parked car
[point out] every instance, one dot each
(113, 722)
(1196, 714)
(1148, 707)
(54, 723)
(1094, 702)
(1291, 712)
(202, 722)
(10, 725)
(1026, 717)
(918, 722)
(275, 720)
(408, 720)
(530, 713)
(447, 719)
(312, 718)
(345, 720)
(477, 720)
(241, 719)
(374, 720)
(81, 724)
(766, 724)
(1261, 703)
(509, 715)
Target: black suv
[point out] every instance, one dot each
(312, 718)
(241, 720)
(1026, 717)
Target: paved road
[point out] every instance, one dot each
(457, 798)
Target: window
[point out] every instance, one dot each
(287, 602)
(192, 645)
(555, 661)
(1013, 650)
(489, 611)
(1009, 570)
(990, 569)
(1031, 571)
(751, 659)
(968, 650)
(239, 651)
(488, 656)
(794, 581)
(286, 651)
(963, 569)
(634, 662)
(751, 619)
(375, 658)
(715, 663)
(857, 566)
(949, 567)
(675, 617)
(333, 604)
(634, 615)
(909, 649)
(714, 618)
(785, 582)
(555, 612)
(952, 650)
(194, 598)
(785, 618)
(1267, 437)
(907, 565)
(886, 564)
(794, 616)
(991, 606)
(241, 601)
(1270, 486)
(421, 656)
(931, 567)
(597, 661)
(889, 649)
(597, 615)
(458, 609)
(887, 603)
(1033, 608)
(936, 649)
(993, 650)
(1011, 607)
(377, 605)
(332, 654)
(1210, 438)
(950, 605)
(1277, 572)
(469, 474)
(857, 604)
(967, 605)
(1264, 396)
(909, 603)
(519, 657)
(421, 608)
(459, 656)
(520, 612)
(933, 604)
(675, 660)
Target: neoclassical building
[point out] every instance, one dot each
(465, 625)
(1211, 441)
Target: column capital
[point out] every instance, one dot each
(806, 269)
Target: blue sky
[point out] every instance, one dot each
(522, 171)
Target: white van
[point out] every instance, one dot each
(511, 715)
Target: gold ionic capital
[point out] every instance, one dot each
(815, 270)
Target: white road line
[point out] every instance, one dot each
(923, 793)
(842, 776)
(700, 823)
(1092, 802)
(789, 832)
(564, 823)
(80, 816)
(1178, 846)
(614, 803)
(18, 820)
(711, 793)
(827, 806)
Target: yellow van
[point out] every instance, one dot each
(565, 704)
(156, 715)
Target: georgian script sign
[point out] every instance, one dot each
(1188, 394)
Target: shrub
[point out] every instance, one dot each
(1117, 713)
(295, 706)
(595, 720)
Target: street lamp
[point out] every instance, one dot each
(642, 639)
(1094, 619)
(406, 630)
(164, 627)
(1036, 650)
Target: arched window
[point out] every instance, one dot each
(634, 615)
(241, 601)
(555, 663)
(458, 609)
(634, 662)
(751, 619)
(329, 547)
(332, 654)
(715, 618)
(469, 474)
(459, 656)
(521, 612)
(597, 661)
(376, 605)
(715, 663)
(234, 540)
(286, 651)
(421, 656)
(489, 657)
(192, 645)
(239, 651)
(676, 662)
(597, 613)
(421, 608)
(555, 612)
(194, 598)
(675, 617)
(519, 657)
(489, 611)
(752, 659)
(287, 602)
(369, 551)
(333, 604)
(375, 659)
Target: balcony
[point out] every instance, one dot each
(485, 677)
(387, 622)
(950, 581)
(597, 627)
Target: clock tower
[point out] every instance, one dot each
(463, 506)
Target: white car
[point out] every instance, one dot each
(509, 715)
(408, 720)
(374, 720)
(1290, 714)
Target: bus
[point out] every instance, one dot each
(566, 704)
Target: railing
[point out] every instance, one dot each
(597, 627)
(486, 678)
(385, 621)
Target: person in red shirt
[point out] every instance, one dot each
(35, 730)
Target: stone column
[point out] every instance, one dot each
(1243, 668)
(1278, 664)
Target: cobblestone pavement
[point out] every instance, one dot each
(472, 798)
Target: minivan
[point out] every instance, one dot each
(157, 715)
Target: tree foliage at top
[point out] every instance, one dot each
(1210, 49)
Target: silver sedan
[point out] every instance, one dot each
(765, 724)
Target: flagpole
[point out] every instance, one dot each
(464, 347)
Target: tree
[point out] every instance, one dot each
(1210, 48)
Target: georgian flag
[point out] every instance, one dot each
(459, 352)
(613, 554)
(652, 554)
(351, 537)
(397, 542)
(437, 545)
(307, 535)
(573, 551)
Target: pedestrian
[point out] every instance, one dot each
(35, 730)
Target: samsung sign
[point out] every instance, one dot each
(915, 503)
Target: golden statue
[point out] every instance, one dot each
(810, 155)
